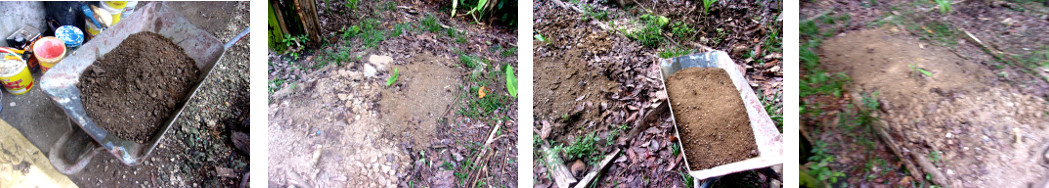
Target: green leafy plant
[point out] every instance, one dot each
(351, 4)
(540, 38)
(511, 81)
(396, 73)
(916, 69)
(581, 147)
(707, 4)
(821, 169)
(945, 6)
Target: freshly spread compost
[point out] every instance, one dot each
(714, 126)
(132, 90)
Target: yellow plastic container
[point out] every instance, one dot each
(14, 74)
(91, 29)
(115, 4)
(49, 51)
(114, 11)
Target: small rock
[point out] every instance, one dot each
(380, 61)
(225, 172)
(369, 70)
(578, 167)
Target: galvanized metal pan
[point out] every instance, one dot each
(70, 153)
(769, 139)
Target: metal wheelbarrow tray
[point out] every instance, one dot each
(769, 139)
(72, 152)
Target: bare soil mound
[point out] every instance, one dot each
(976, 131)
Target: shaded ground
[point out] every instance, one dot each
(341, 125)
(966, 118)
(198, 150)
(595, 80)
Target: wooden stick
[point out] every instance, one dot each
(879, 128)
(557, 169)
(600, 167)
(998, 54)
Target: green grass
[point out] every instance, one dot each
(651, 35)
(674, 52)
(687, 180)
(682, 30)
(431, 24)
(481, 107)
(1036, 59)
(945, 6)
(399, 29)
(509, 52)
(592, 13)
(773, 110)
(614, 133)
(936, 31)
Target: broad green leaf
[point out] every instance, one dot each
(511, 81)
(396, 73)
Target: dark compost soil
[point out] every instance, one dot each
(133, 89)
(714, 126)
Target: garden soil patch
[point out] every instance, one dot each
(714, 126)
(975, 128)
(132, 90)
(421, 97)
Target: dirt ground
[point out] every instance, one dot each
(341, 125)
(198, 151)
(967, 118)
(593, 82)
(134, 80)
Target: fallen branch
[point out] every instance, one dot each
(651, 117)
(562, 176)
(935, 175)
(879, 128)
(484, 150)
(998, 54)
(600, 167)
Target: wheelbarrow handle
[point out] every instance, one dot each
(237, 38)
(73, 151)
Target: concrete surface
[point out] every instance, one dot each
(35, 116)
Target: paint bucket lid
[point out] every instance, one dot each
(70, 35)
(49, 49)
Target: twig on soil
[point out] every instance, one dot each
(600, 167)
(562, 176)
(927, 166)
(649, 118)
(879, 127)
(484, 150)
(998, 54)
